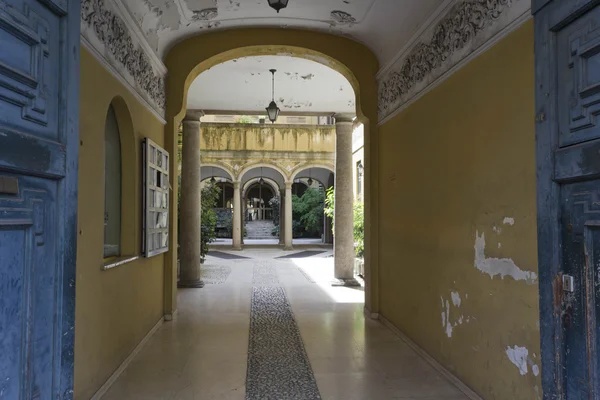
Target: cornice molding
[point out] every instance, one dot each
(455, 37)
(114, 72)
(434, 18)
(135, 30)
(110, 33)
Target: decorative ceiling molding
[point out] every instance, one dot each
(467, 28)
(108, 29)
(205, 14)
(342, 17)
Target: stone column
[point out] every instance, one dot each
(281, 217)
(237, 216)
(190, 207)
(288, 216)
(343, 238)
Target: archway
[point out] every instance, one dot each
(211, 170)
(323, 175)
(261, 201)
(129, 237)
(190, 57)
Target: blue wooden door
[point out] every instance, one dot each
(39, 95)
(567, 48)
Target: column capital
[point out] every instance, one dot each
(288, 185)
(193, 115)
(236, 184)
(344, 117)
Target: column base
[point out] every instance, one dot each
(347, 282)
(288, 248)
(191, 285)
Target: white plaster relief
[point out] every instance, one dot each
(106, 32)
(499, 266)
(463, 31)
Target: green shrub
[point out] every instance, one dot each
(274, 204)
(359, 229)
(359, 221)
(210, 195)
(307, 213)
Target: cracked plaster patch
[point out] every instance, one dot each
(519, 356)
(499, 266)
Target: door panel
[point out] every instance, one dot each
(567, 47)
(581, 243)
(30, 36)
(578, 48)
(39, 74)
(29, 285)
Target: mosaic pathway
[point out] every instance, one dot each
(278, 367)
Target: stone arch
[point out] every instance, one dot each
(190, 57)
(303, 168)
(272, 184)
(223, 169)
(250, 167)
(129, 199)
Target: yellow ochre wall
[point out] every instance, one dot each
(458, 163)
(253, 137)
(115, 308)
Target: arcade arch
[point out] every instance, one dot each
(189, 58)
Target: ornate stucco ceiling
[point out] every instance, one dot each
(244, 84)
(385, 26)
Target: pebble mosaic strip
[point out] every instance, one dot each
(278, 367)
(265, 275)
(214, 275)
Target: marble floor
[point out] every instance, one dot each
(204, 352)
(271, 242)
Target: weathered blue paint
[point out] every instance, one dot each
(39, 114)
(567, 50)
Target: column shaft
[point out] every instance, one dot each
(281, 216)
(190, 207)
(237, 217)
(343, 249)
(288, 216)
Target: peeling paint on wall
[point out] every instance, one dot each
(509, 221)
(446, 317)
(518, 356)
(446, 323)
(456, 299)
(499, 266)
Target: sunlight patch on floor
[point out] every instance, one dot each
(320, 269)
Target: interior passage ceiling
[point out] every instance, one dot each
(385, 26)
(244, 84)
